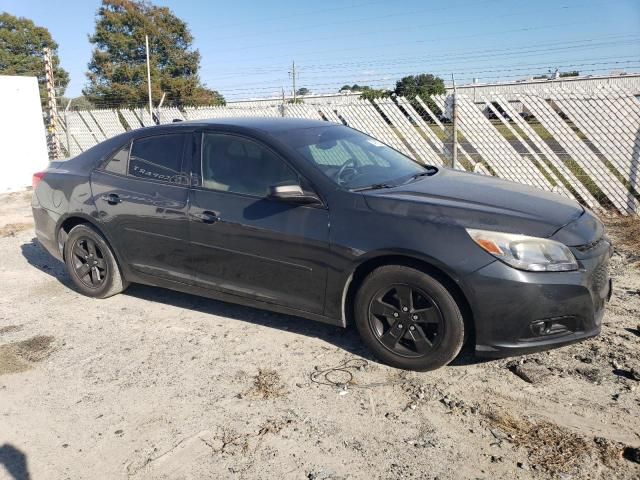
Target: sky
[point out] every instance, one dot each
(248, 46)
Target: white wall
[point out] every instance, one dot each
(23, 143)
(587, 83)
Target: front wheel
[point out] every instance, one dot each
(91, 263)
(408, 319)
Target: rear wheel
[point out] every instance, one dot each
(91, 263)
(408, 319)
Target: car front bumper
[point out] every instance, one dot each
(517, 312)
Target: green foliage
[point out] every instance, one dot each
(303, 91)
(79, 103)
(369, 93)
(21, 52)
(117, 70)
(423, 85)
(366, 92)
(572, 73)
(354, 88)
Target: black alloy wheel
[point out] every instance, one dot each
(89, 263)
(406, 320)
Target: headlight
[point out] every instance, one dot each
(526, 253)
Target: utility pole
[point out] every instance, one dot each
(293, 74)
(146, 40)
(66, 127)
(52, 107)
(454, 121)
(283, 106)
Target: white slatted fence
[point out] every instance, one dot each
(580, 144)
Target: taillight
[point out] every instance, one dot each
(35, 180)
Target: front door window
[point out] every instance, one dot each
(238, 165)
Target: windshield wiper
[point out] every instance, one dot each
(427, 173)
(375, 186)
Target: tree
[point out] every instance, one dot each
(423, 85)
(369, 93)
(354, 88)
(79, 103)
(21, 52)
(303, 91)
(117, 70)
(572, 73)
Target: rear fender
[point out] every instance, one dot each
(70, 220)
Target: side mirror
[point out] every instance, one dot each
(292, 194)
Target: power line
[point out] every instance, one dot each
(412, 60)
(333, 24)
(384, 82)
(373, 47)
(524, 29)
(513, 68)
(415, 71)
(467, 52)
(542, 48)
(453, 60)
(316, 39)
(441, 68)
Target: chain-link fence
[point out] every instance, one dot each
(581, 144)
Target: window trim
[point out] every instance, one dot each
(182, 174)
(102, 166)
(248, 195)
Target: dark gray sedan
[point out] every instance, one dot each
(324, 222)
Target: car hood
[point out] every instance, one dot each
(477, 201)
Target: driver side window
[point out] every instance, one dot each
(239, 165)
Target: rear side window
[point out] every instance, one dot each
(157, 158)
(118, 163)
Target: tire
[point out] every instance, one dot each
(86, 250)
(427, 336)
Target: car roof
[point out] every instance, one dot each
(266, 124)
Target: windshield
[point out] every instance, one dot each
(352, 159)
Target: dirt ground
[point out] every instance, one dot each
(157, 384)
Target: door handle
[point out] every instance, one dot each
(111, 199)
(207, 216)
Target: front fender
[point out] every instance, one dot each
(341, 287)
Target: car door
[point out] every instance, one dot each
(141, 196)
(247, 244)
